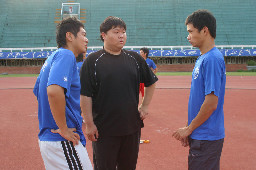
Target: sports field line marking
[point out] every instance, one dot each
(161, 88)
(15, 88)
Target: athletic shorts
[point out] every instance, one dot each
(63, 155)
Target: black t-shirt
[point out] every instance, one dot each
(113, 83)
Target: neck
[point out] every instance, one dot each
(112, 50)
(207, 46)
(71, 49)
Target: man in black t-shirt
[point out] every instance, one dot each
(110, 80)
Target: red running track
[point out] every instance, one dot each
(19, 125)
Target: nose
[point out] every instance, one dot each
(188, 37)
(86, 40)
(121, 35)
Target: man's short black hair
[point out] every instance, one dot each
(145, 50)
(72, 25)
(80, 57)
(111, 22)
(201, 19)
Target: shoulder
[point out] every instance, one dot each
(149, 60)
(214, 56)
(65, 52)
(64, 55)
(94, 55)
(133, 54)
(79, 63)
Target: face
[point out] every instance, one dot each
(115, 38)
(80, 41)
(143, 54)
(195, 38)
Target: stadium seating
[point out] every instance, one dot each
(30, 23)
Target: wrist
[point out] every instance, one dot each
(89, 123)
(189, 130)
(144, 105)
(63, 129)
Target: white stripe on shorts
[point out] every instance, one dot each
(63, 155)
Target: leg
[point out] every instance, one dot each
(204, 154)
(105, 152)
(63, 155)
(128, 154)
(83, 155)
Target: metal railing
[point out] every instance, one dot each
(130, 48)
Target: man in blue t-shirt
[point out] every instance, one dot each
(144, 54)
(204, 132)
(57, 89)
(80, 60)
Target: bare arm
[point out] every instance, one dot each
(143, 109)
(207, 108)
(154, 70)
(91, 129)
(57, 103)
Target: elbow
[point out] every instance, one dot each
(213, 107)
(152, 86)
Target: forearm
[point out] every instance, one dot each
(148, 94)
(86, 107)
(56, 98)
(155, 71)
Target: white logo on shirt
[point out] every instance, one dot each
(45, 65)
(196, 73)
(65, 79)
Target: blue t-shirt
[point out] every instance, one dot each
(151, 63)
(59, 69)
(209, 75)
(79, 65)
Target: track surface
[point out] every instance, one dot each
(168, 111)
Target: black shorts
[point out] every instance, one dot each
(204, 155)
(116, 152)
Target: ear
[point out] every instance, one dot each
(103, 34)
(69, 36)
(205, 30)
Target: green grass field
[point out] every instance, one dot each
(19, 75)
(159, 73)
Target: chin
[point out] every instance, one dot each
(120, 46)
(194, 45)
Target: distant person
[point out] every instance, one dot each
(204, 132)
(110, 80)
(61, 139)
(80, 60)
(144, 53)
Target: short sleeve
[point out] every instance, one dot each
(147, 76)
(153, 65)
(87, 78)
(61, 71)
(212, 75)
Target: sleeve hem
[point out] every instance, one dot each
(210, 91)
